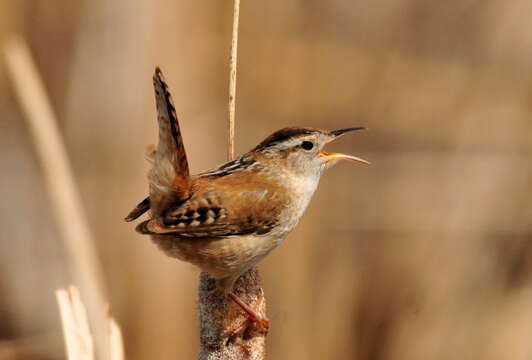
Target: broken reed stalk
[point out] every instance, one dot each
(60, 183)
(219, 317)
(76, 329)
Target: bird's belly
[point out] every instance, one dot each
(224, 257)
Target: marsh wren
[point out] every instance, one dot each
(227, 219)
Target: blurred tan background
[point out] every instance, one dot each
(426, 254)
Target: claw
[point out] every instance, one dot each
(260, 323)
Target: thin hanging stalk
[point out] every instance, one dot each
(219, 317)
(232, 81)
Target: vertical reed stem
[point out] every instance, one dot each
(232, 81)
(61, 185)
(219, 317)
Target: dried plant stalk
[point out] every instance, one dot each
(76, 330)
(219, 317)
(60, 182)
(115, 340)
(232, 81)
(78, 339)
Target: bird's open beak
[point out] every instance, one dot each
(338, 133)
(337, 156)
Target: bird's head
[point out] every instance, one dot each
(300, 149)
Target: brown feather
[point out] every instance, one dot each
(169, 176)
(140, 209)
(216, 210)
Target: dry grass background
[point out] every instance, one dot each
(427, 254)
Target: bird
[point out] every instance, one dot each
(225, 220)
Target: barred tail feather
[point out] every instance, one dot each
(169, 177)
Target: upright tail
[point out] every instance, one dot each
(169, 177)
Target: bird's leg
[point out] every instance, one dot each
(261, 322)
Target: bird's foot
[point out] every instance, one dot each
(261, 325)
(258, 322)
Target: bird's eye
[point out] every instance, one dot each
(307, 145)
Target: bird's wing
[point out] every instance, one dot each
(169, 177)
(220, 212)
(140, 209)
